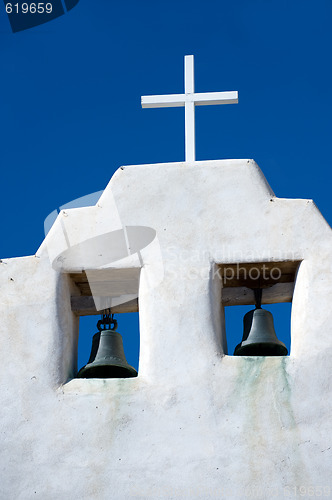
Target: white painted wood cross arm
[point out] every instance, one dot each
(189, 100)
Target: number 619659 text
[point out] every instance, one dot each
(25, 8)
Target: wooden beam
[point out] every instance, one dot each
(235, 296)
(258, 274)
(107, 282)
(85, 306)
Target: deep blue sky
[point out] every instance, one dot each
(70, 99)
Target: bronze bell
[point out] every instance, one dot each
(107, 359)
(259, 337)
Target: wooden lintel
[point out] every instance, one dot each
(85, 306)
(258, 274)
(107, 282)
(236, 296)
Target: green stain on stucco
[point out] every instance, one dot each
(262, 399)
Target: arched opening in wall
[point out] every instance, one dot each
(257, 299)
(106, 302)
(128, 327)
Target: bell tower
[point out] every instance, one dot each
(196, 421)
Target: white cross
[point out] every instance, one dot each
(189, 100)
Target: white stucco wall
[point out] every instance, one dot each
(195, 423)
